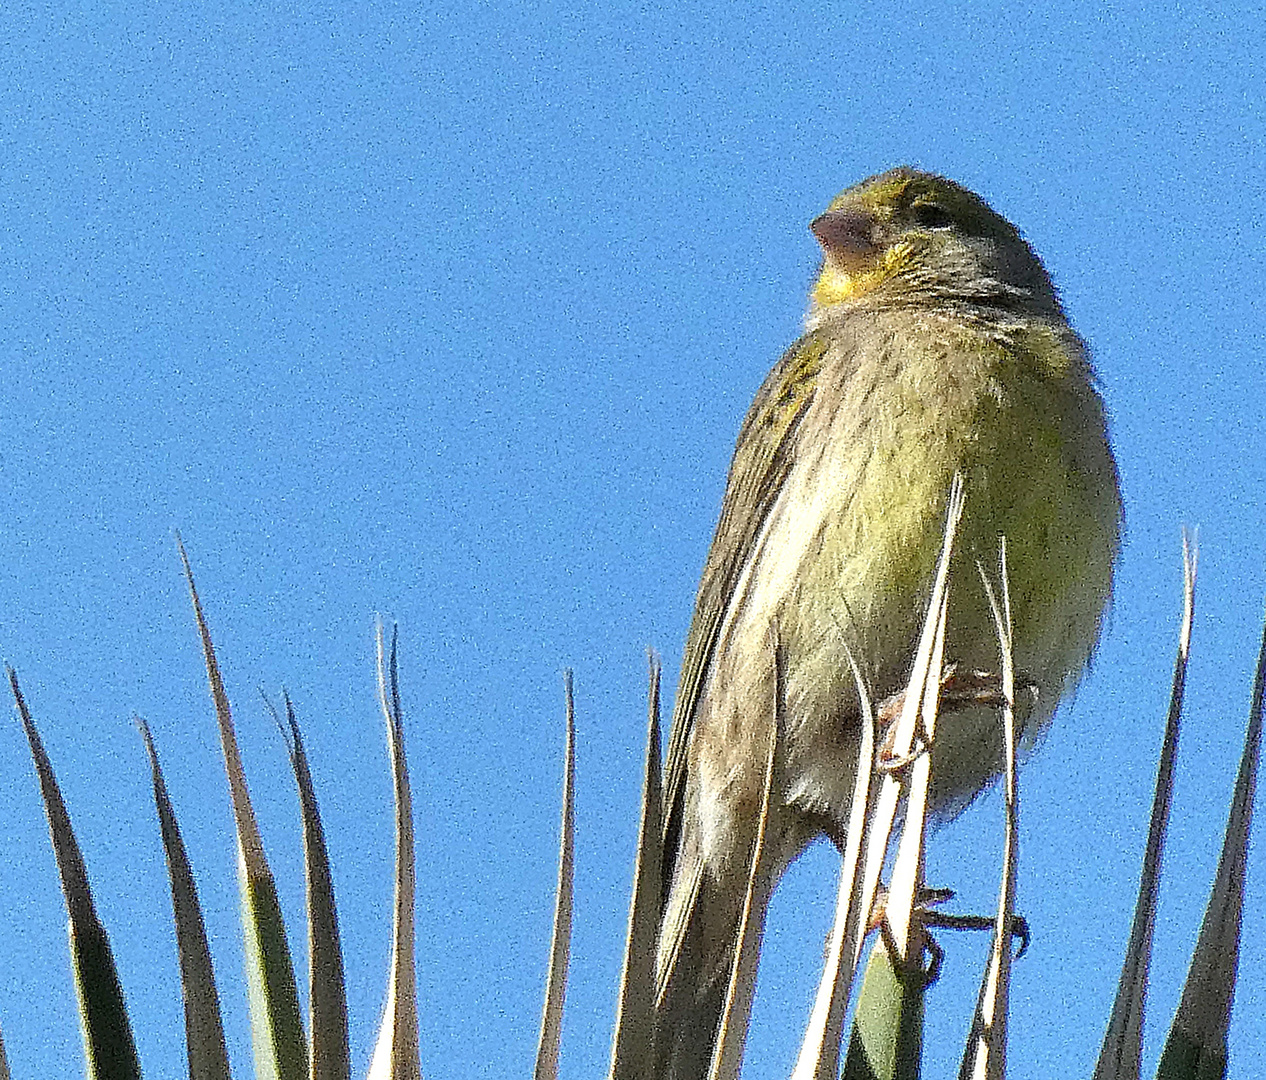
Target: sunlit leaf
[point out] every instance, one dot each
(396, 1052)
(633, 1046)
(329, 1055)
(1197, 1045)
(108, 1043)
(276, 1025)
(204, 1030)
(1123, 1042)
(560, 942)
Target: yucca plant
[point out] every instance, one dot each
(886, 1035)
(283, 1050)
(886, 1038)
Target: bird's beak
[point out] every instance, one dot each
(849, 238)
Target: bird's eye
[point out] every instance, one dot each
(931, 216)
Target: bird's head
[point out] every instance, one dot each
(909, 237)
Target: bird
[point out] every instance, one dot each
(934, 346)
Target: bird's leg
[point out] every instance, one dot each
(959, 690)
(928, 918)
(1019, 927)
(887, 714)
(924, 903)
(926, 900)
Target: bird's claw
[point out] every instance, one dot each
(959, 690)
(928, 920)
(1019, 926)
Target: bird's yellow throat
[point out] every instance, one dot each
(836, 284)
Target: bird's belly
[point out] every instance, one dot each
(837, 571)
(845, 568)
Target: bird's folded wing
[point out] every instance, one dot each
(760, 466)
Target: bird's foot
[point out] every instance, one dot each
(959, 690)
(924, 903)
(926, 900)
(930, 919)
(1018, 927)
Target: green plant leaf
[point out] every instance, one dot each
(1197, 1045)
(886, 1042)
(108, 1043)
(329, 1055)
(1123, 1042)
(204, 1031)
(276, 1025)
(396, 1053)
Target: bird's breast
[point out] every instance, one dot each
(844, 561)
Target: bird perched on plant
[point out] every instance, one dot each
(934, 345)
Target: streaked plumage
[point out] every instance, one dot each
(934, 344)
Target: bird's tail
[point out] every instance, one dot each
(698, 935)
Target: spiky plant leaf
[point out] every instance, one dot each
(276, 1026)
(204, 1030)
(872, 817)
(1197, 1045)
(560, 941)
(632, 1050)
(1123, 1042)
(819, 1057)
(986, 1053)
(329, 1055)
(396, 1054)
(107, 1033)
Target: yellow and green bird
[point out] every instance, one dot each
(934, 345)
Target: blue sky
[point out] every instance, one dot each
(451, 313)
